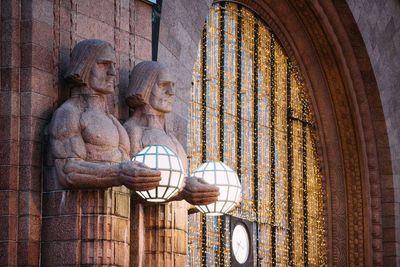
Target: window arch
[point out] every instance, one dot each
(249, 109)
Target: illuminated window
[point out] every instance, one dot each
(250, 110)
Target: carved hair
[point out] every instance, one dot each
(83, 56)
(143, 77)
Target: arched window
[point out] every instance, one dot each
(249, 109)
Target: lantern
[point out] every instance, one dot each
(219, 174)
(163, 159)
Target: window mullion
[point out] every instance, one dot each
(290, 163)
(255, 134)
(305, 192)
(221, 74)
(239, 94)
(203, 57)
(272, 150)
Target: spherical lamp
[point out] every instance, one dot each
(219, 174)
(163, 159)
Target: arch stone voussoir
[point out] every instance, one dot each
(323, 39)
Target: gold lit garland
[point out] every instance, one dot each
(249, 108)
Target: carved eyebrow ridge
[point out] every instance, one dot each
(165, 82)
(105, 60)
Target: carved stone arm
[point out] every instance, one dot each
(197, 192)
(76, 173)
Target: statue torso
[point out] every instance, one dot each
(104, 137)
(153, 136)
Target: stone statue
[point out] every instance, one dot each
(90, 147)
(90, 152)
(150, 94)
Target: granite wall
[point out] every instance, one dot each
(36, 37)
(180, 31)
(36, 40)
(379, 25)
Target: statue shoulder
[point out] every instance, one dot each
(132, 128)
(65, 132)
(180, 150)
(65, 121)
(135, 134)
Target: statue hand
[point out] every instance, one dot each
(137, 176)
(199, 192)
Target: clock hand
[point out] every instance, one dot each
(237, 249)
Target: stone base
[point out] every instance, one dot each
(86, 227)
(165, 234)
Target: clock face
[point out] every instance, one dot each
(240, 243)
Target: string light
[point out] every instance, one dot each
(236, 116)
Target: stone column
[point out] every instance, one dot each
(166, 234)
(84, 227)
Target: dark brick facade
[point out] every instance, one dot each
(359, 38)
(379, 24)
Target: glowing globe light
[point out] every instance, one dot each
(219, 174)
(166, 161)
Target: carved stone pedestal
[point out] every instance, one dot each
(165, 235)
(86, 227)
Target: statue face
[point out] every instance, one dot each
(161, 94)
(101, 78)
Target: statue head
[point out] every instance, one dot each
(150, 84)
(92, 65)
